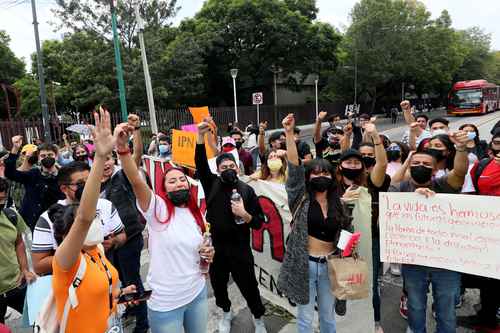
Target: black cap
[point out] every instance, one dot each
(223, 157)
(351, 153)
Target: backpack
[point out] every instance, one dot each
(479, 170)
(11, 215)
(47, 318)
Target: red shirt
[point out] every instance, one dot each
(489, 180)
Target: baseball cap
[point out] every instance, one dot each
(351, 153)
(228, 141)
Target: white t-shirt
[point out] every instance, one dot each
(174, 269)
(43, 235)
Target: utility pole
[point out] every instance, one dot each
(147, 78)
(41, 78)
(118, 61)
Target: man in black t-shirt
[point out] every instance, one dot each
(302, 147)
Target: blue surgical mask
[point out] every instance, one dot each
(164, 149)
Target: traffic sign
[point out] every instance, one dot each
(257, 98)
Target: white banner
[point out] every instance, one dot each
(451, 231)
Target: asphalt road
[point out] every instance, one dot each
(278, 320)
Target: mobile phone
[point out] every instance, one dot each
(350, 244)
(135, 297)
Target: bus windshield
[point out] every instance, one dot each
(467, 98)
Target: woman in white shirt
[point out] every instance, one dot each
(176, 227)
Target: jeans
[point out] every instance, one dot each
(376, 272)
(128, 263)
(319, 286)
(445, 286)
(13, 298)
(193, 317)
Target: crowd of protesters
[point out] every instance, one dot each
(89, 206)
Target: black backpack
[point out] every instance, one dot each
(479, 170)
(11, 215)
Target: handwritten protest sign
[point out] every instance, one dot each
(456, 232)
(199, 113)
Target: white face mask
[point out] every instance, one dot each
(95, 236)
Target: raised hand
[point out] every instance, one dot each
(459, 138)
(322, 115)
(122, 135)
(134, 121)
(262, 127)
(371, 130)
(103, 138)
(405, 105)
(17, 142)
(289, 123)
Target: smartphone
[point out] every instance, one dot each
(350, 244)
(135, 297)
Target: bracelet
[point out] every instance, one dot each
(460, 150)
(123, 152)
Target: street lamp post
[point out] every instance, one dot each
(316, 79)
(118, 61)
(234, 74)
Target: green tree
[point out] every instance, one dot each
(493, 68)
(476, 46)
(11, 67)
(30, 95)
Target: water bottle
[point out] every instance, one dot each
(204, 264)
(237, 197)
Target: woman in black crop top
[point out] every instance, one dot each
(318, 219)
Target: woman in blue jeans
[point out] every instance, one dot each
(176, 227)
(318, 220)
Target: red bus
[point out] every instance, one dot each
(473, 97)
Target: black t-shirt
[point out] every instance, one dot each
(438, 185)
(374, 192)
(320, 146)
(324, 229)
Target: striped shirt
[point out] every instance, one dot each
(43, 235)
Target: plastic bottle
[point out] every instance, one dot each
(237, 197)
(207, 242)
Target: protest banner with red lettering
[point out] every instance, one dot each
(451, 231)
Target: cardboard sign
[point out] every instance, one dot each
(184, 146)
(199, 113)
(451, 231)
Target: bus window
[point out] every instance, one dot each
(470, 98)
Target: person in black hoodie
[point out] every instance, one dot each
(231, 240)
(42, 189)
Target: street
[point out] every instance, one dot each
(278, 320)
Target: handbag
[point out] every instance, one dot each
(47, 318)
(349, 279)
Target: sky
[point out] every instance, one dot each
(17, 20)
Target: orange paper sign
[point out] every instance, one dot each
(199, 113)
(184, 146)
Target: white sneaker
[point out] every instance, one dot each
(225, 322)
(396, 269)
(260, 327)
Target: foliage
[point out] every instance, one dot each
(30, 92)
(492, 68)
(11, 68)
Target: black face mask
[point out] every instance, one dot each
(320, 184)
(351, 174)
(369, 161)
(229, 177)
(421, 174)
(33, 160)
(283, 145)
(495, 152)
(81, 158)
(393, 155)
(437, 154)
(179, 198)
(238, 144)
(48, 162)
(79, 191)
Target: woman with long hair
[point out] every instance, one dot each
(443, 150)
(79, 233)
(274, 168)
(477, 146)
(319, 218)
(176, 246)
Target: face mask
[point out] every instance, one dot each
(274, 165)
(179, 198)
(495, 152)
(393, 155)
(79, 191)
(238, 144)
(437, 154)
(48, 162)
(320, 184)
(351, 174)
(283, 146)
(95, 235)
(81, 158)
(439, 131)
(164, 149)
(227, 149)
(229, 176)
(421, 174)
(33, 160)
(369, 161)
